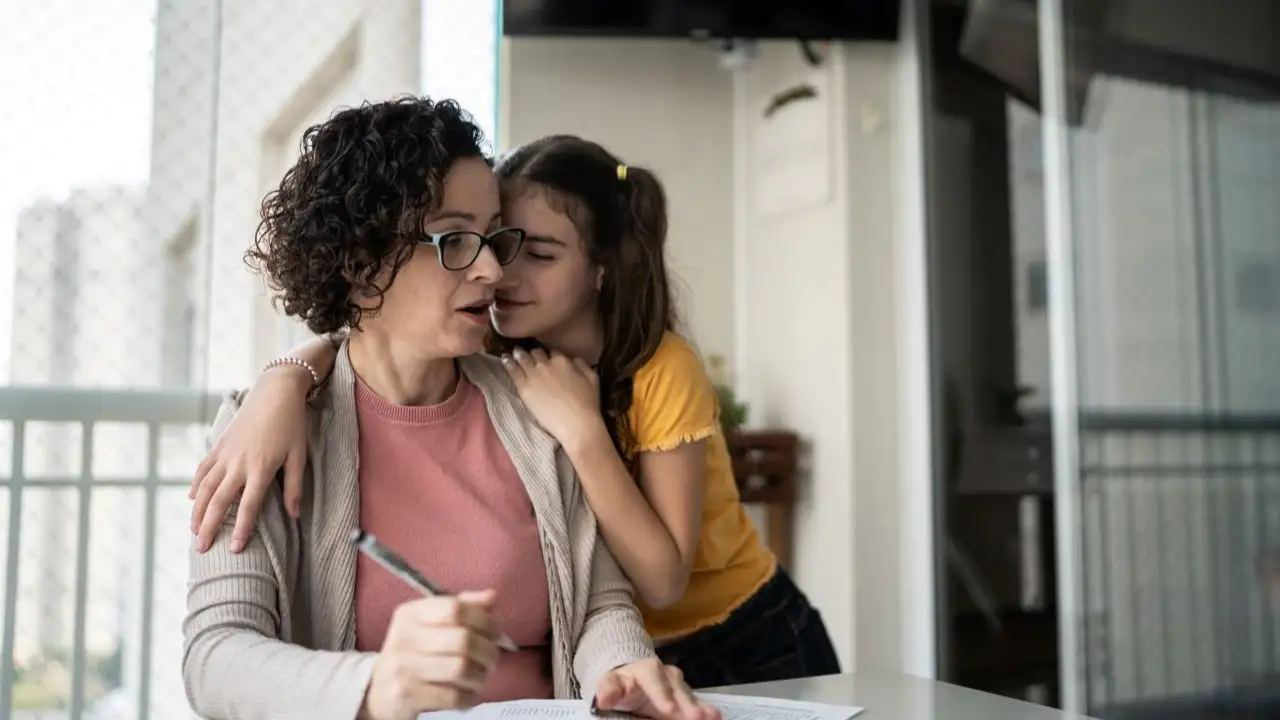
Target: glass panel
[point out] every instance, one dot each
(459, 56)
(169, 602)
(146, 135)
(1170, 180)
(113, 620)
(4, 551)
(6, 450)
(108, 136)
(52, 451)
(44, 627)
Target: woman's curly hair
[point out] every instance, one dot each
(339, 219)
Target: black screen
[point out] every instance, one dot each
(806, 19)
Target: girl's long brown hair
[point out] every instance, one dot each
(622, 216)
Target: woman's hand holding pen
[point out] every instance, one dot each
(437, 655)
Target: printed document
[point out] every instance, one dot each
(731, 707)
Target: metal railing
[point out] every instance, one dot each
(1179, 516)
(159, 412)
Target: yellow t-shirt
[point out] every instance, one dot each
(674, 402)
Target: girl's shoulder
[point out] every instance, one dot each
(675, 359)
(674, 401)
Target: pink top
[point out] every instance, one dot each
(438, 487)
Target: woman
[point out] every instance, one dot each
(387, 227)
(585, 326)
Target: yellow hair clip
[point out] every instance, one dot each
(622, 172)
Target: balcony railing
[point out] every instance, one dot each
(1180, 515)
(1180, 529)
(169, 418)
(1177, 514)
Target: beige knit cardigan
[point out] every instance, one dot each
(270, 631)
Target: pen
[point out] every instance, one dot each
(397, 566)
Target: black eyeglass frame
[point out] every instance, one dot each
(486, 241)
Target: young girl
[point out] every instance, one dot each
(584, 323)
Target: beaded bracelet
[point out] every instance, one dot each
(297, 362)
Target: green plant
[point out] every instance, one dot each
(733, 412)
(32, 696)
(43, 682)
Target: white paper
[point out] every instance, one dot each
(744, 707)
(731, 707)
(526, 709)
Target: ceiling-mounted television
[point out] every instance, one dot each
(762, 19)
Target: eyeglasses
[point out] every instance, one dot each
(458, 249)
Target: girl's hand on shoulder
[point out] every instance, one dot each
(268, 433)
(563, 393)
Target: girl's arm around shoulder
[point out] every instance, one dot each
(234, 663)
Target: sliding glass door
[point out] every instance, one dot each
(1160, 149)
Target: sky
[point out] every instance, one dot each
(76, 110)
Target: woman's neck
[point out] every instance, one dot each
(582, 339)
(400, 375)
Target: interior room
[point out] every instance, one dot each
(983, 286)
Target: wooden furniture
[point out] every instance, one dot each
(765, 464)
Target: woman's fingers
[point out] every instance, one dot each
(204, 493)
(217, 504)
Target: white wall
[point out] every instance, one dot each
(798, 369)
(834, 350)
(663, 104)
(819, 310)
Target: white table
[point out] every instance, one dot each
(901, 697)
